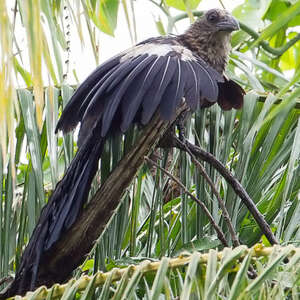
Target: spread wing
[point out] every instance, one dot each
(131, 87)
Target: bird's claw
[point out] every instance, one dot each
(181, 132)
(181, 127)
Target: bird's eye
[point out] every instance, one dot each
(212, 17)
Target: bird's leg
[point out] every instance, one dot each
(180, 123)
(167, 140)
(170, 139)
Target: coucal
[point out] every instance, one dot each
(157, 74)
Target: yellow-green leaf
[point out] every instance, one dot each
(183, 4)
(104, 14)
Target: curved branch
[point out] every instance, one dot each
(170, 140)
(275, 51)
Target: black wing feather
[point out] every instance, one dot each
(113, 104)
(173, 93)
(207, 81)
(192, 88)
(69, 118)
(132, 86)
(134, 96)
(94, 106)
(123, 73)
(118, 74)
(231, 95)
(154, 95)
(93, 92)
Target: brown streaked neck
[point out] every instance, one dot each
(212, 47)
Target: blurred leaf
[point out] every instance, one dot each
(240, 278)
(48, 60)
(56, 36)
(159, 278)
(7, 89)
(104, 14)
(275, 9)
(183, 4)
(160, 27)
(251, 12)
(33, 139)
(24, 73)
(190, 276)
(282, 20)
(32, 14)
(286, 104)
(205, 243)
(257, 282)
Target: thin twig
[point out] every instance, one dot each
(222, 4)
(226, 216)
(220, 234)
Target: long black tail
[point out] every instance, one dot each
(61, 211)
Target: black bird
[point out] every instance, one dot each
(155, 75)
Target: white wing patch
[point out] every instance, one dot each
(159, 50)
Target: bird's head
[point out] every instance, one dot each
(218, 20)
(209, 37)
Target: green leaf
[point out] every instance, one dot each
(25, 74)
(287, 103)
(190, 276)
(211, 270)
(275, 10)
(104, 15)
(251, 12)
(89, 291)
(183, 4)
(159, 278)
(286, 16)
(33, 139)
(240, 277)
(204, 243)
(267, 272)
(160, 27)
(229, 259)
(56, 36)
(70, 290)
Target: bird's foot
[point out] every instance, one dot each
(181, 132)
(181, 127)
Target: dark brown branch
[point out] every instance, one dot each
(173, 141)
(219, 232)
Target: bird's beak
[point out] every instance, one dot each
(229, 23)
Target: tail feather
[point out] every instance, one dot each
(62, 209)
